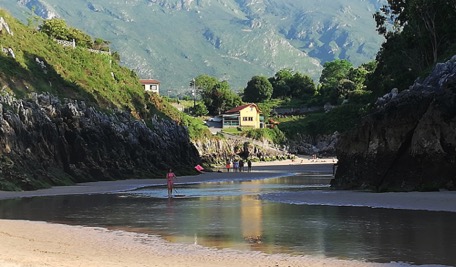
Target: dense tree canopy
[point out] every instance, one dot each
(258, 89)
(422, 34)
(332, 74)
(58, 29)
(301, 86)
(217, 96)
(287, 83)
(280, 84)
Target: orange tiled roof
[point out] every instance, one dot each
(239, 108)
(149, 81)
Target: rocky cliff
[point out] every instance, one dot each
(45, 142)
(408, 143)
(216, 150)
(321, 146)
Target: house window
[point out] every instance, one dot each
(247, 118)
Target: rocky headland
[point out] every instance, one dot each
(45, 141)
(408, 143)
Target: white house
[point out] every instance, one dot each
(151, 85)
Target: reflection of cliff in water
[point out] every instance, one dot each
(231, 214)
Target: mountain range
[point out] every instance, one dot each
(176, 40)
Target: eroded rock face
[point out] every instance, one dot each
(322, 146)
(216, 151)
(407, 144)
(45, 142)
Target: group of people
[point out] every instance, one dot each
(238, 165)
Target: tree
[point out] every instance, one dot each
(279, 82)
(426, 19)
(421, 36)
(200, 109)
(58, 29)
(80, 37)
(345, 87)
(55, 28)
(391, 17)
(333, 72)
(358, 76)
(258, 89)
(301, 86)
(217, 96)
(205, 82)
(223, 98)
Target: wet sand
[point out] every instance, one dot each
(26, 243)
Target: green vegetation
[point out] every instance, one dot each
(290, 84)
(340, 119)
(419, 34)
(273, 135)
(341, 84)
(41, 65)
(258, 89)
(217, 96)
(174, 41)
(196, 127)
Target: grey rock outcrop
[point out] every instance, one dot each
(322, 145)
(408, 143)
(216, 151)
(45, 142)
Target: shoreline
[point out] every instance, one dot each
(260, 170)
(36, 244)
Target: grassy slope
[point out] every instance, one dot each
(78, 74)
(74, 73)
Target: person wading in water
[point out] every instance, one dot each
(170, 176)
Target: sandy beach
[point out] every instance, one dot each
(27, 243)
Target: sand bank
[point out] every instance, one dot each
(36, 244)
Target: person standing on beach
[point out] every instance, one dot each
(170, 176)
(228, 165)
(236, 165)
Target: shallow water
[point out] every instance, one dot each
(233, 215)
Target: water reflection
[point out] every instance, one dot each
(232, 215)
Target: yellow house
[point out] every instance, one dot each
(248, 115)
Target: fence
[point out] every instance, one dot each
(73, 45)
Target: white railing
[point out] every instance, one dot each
(99, 51)
(66, 43)
(73, 45)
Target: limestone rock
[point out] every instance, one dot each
(408, 143)
(44, 142)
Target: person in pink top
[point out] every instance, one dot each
(170, 176)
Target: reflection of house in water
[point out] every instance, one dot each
(252, 214)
